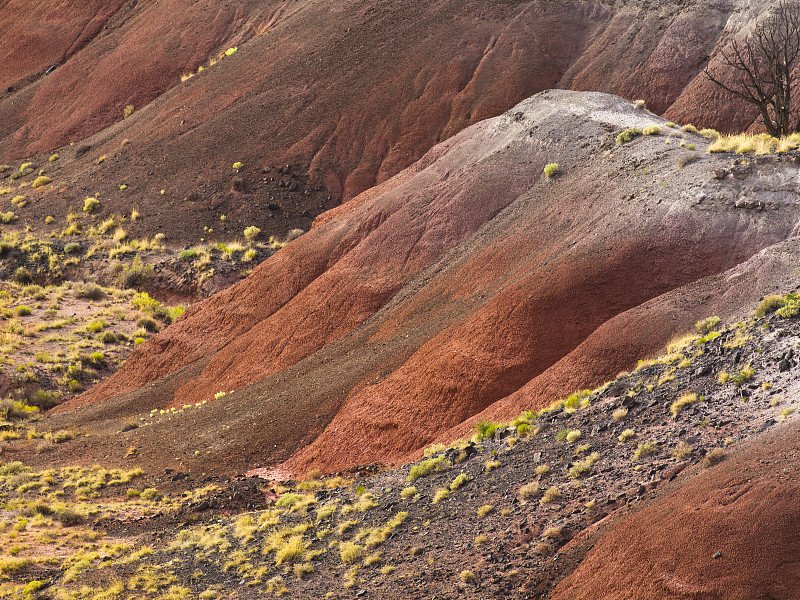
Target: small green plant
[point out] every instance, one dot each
(791, 306)
(96, 326)
(288, 500)
(645, 450)
(485, 429)
(459, 481)
(440, 495)
(22, 310)
(40, 181)
(426, 467)
(409, 492)
(251, 233)
(90, 204)
(127, 111)
(551, 169)
(33, 587)
(628, 135)
(707, 325)
(484, 510)
(651, 130)
(743, 376)
(769, 305)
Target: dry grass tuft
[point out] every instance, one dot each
(716, 456)
(681, 403)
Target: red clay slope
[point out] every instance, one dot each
(729, 533)
(451, 287)
(41, 35)
(351, 93)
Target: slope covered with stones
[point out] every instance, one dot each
(675, 480)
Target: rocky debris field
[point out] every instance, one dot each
(507, 513)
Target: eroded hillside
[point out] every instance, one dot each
(641, 487)
(470, 285)
(165, 97)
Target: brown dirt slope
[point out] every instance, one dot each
(729, 533)
(348, 94)
(462, 285)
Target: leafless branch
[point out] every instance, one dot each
(759, 69)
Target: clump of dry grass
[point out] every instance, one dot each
(529, 491)
(762, 143)
(645, 450)
(619, 414)
(581, 468)
(769, 304)
(716, 456)
(553, 494)
(350, 552)
(552, 533)
(626, 435)
(682, 450)
(681, 403)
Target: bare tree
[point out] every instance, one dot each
(760, 69)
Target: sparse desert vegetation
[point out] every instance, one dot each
(551, 169)
(406, 315)
(354, 533)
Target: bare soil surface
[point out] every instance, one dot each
(471, 286)
(154, 97)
